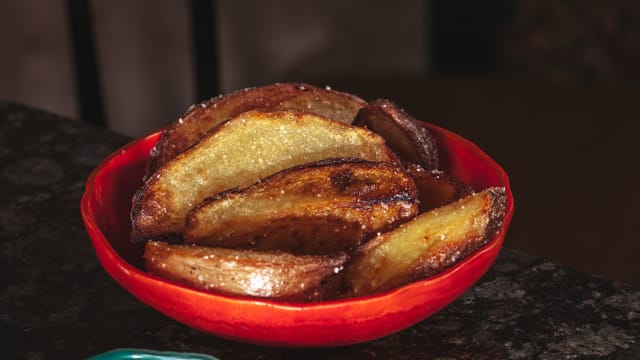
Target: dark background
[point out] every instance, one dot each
(550, 89)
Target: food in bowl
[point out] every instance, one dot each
(426, 245)
(289, 211)
(296, 205)
(200, 119)
(241, 152)
(402, 132)
(268, 274)
(105, 209)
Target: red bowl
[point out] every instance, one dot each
(105, 210)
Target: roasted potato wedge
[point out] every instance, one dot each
(200, 119)
(273, 275)
(436, 188)
(425, 246)
(238, 153)
(404, 134)
(320, 208)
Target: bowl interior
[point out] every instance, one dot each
(105, 209)
(119, 177)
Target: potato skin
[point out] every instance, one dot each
(319, 208)
(411, 141)
(273, 274)
(202, 118)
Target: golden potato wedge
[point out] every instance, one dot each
(404, 134)
(425, 246)
(273, 275)
(200, 119)
(318, 208)
(239, 153)
(436, 188)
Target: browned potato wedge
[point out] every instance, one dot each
(436, 188)
(198, 120)
(239, 153)
(319, 208)
(425, 246)
(273, 275)
(404, 134)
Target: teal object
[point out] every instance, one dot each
(140, 354)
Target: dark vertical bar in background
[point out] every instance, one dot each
(87, 79)
(204, 43)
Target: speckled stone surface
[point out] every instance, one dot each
(56, 302)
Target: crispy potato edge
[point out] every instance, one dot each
(267, 97)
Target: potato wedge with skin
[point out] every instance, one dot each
(239, 153)
(201, 118)
(425, 246)
(436, 188)
(319, 208)
(273, 275)
(404, 134)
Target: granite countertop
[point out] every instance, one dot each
(57, 302)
